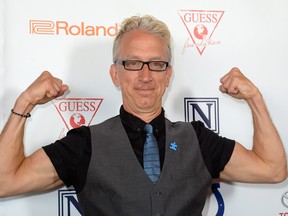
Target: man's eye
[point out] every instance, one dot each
(132, 63)
(158, 64)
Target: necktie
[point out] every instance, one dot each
(151, 155)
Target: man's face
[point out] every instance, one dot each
(142, 90)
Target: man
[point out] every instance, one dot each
(99, 161)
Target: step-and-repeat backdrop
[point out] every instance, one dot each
(73, 40)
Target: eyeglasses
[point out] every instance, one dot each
(135, 65)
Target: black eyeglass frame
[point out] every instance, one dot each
(122, 62)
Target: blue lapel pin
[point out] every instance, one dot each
(173, 146)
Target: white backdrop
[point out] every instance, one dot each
(46, 35)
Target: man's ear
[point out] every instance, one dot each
(114, 75)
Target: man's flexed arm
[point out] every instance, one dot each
(18, 173)
(266, 162)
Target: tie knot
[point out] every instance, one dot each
(148, 129)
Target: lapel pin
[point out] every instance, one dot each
(173, 146)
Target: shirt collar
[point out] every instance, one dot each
(136, 124)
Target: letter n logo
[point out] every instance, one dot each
(67, 203)
(203, 109)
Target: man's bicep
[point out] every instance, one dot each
(36, 174)
(244, 166)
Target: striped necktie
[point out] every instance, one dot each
(151, 155)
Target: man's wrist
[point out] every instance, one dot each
(22, 106)
(27, 115)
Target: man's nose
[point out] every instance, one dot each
(145, 73)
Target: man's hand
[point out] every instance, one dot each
(44, 89)
(237, 85)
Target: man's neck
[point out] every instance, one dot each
(145, 116)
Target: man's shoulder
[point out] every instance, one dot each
(107, 124)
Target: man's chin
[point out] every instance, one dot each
(148, 106)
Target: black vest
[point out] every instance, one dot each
(117, 185)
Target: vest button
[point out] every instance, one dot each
(156, 193)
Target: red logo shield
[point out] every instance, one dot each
(76, 112)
